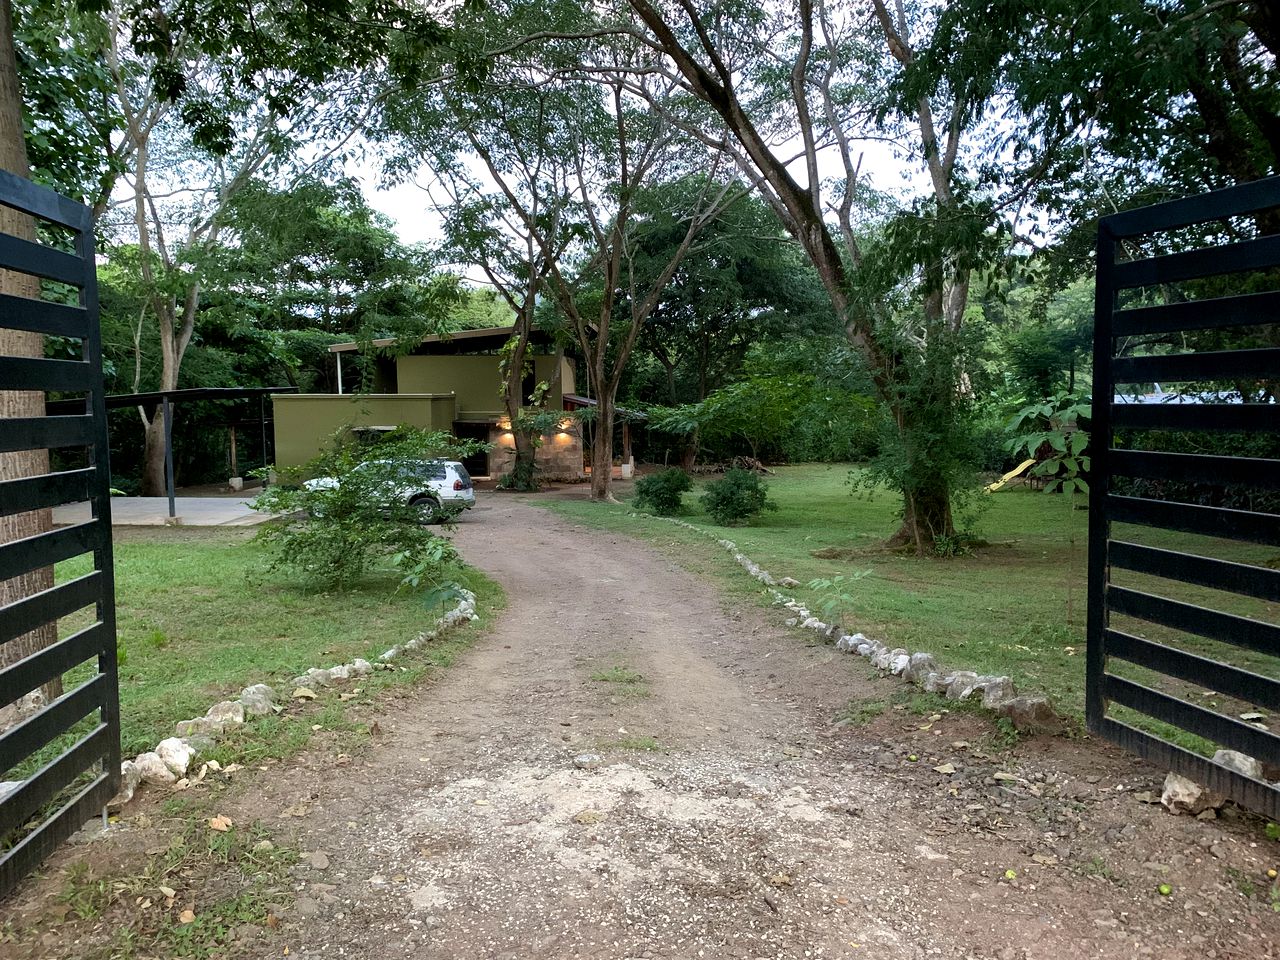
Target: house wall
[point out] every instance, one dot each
(305, 422)
(476, 381)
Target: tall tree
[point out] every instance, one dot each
(795, 87)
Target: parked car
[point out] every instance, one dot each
(438, 489)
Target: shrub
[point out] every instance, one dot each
(661, 492)
(737, 497)
(333, 532)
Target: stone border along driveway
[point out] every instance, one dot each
(168, 763)
(1030, 714)
(1027, 713)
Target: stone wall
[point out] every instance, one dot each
(558, 458)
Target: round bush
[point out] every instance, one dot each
(661, 492)
(737, 497)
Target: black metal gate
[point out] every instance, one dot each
(61, 762)
(1188, 292)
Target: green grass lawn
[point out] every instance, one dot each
(1016, 606)
(199, 618)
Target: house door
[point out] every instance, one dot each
(478, 463)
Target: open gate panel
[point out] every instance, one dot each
(1184, 646)
(60, 760)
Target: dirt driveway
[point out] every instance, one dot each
(625, 768)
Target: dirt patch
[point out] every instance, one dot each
(522, 808)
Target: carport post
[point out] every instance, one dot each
(168, 454)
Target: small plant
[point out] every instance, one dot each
(959, 544)
(737, 497)
(621, 675)
(662, 492)
(833, 591)
(859, 713)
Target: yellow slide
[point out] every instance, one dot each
(1015, 472)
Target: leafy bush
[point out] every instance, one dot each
(1055, 434)
(661, 492)
(334, 531)
(737, 497)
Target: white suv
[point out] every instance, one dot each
(440, 489)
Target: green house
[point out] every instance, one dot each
(449, 383)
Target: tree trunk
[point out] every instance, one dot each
(13, 343)
(602, 451)
(926, 518)
(153, 478)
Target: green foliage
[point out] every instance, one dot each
(792, 416)
(333, 531)
(833, 592)
(1054, 432)
(662, 492)
(737, 497)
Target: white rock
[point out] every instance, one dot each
(228, 712)
(198, 727)
(1182, 795)
(963, 683)
(130, 776)
(176, 754)
(359, 668)
(258, 700)
(995, 691)
(921, 666)
(151, 769)
(899, 664)
(1239, 762)
(340, 672)
(789, 582)
(936, 682)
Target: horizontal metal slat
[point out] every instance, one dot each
(21, 194)
(1222, 730)
(1260, 582)
(1190, 518)
(37, 373)
(45, 433)
(1237, 417)
(45, 549)
(41, 316)
(1228, 202)
(1226, 627)
(1239, 257)
(1192, 467)
(53, 661)
(33, 849)
(1258, 796)
(38, 260)
(45, 490)
(1210, 674)
(1246, 310)
(1192, 367)
(22, 740)
(52, 779)
(49, 605)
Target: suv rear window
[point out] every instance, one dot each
(461, 471)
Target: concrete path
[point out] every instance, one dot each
(154, 512)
